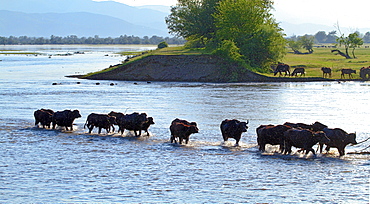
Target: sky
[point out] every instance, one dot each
(351, 14)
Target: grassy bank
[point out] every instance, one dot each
(321, 57)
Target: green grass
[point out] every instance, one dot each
(321, 57)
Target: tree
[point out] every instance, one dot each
(249, 24)
(355, 42)
(307, 43)
(193, 19)
(295, 45)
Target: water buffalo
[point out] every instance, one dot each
(339, 139)
(147, 124)
(119, 117)
(299, 70)
(271, 134)
(281, 67)
(298, 125)
(65, 118)
(134, 122)
(304, 139)
(100, 121)
(44, 117)
(182, 129)
(233, 129)
(347, 71)
(326, 71)
(365, 73)
(317, 126)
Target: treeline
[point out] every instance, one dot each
(96, 40)
(331, 37)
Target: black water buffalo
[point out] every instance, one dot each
(298, 125)
(304, 139)
(119, 117)
(299, 70)
(326, 71)
(182, 129)
(271, 134)
(44, 117)
(281, 67)
(317, 126)
(233, 129)
(100, 121)
(365, 73)
(65, 118)
(347, 71)
(147, 124)
(134, 122)
(339, 139)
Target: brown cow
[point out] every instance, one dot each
(182, 129)
(304, 139)
(299, 70)
(339, 139)
(271, 134)
(347, 71)
(233, 129)
(134, 122)
(326, 71)
(44, 117)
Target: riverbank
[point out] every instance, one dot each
(187, 68)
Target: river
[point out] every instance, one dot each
(56, 166)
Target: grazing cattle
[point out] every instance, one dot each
(44, 117)
(304, 139)
(271, 134)
(233, 129)
(298, 70)
(339, 139)
(326, 71)
(281, 67)
(298, 125)
(65, 118)
(133, 122)
(182, 129)
(365, 73)
(347, 71)
(100, 121)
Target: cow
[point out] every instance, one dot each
(281, 67)
(119, 117)
(339, 139)
(44, 117)
(299, 70)
(326, 71)
(182, 129)
(100, 121)
(365, 73)
(233, 129)
(134, 122)
(304, 139)
(147, 124)
(298, 125)
(271, 134)
(347, 71)
(317, 126)
(65, 118)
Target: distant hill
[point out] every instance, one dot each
(63, 24)
(151, 21)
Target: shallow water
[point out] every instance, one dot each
(39, 165)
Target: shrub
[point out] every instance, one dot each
(162, 45)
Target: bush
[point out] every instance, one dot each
(162, 45)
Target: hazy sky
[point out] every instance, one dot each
(352, 13)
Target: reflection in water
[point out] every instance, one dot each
(53, 165)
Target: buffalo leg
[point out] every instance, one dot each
(90, 128)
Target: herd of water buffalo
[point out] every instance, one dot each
(326, 71)
(288, 135)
